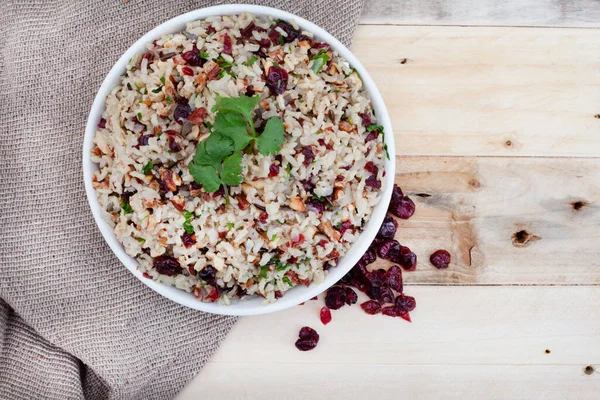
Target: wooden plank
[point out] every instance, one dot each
(475, 208)
(474, 342)
(487, 91)
(574, 13)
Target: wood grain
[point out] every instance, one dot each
(505, 220)
(487, 91)
(573, 13)
(474, 342)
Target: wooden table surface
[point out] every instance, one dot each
(497, 130)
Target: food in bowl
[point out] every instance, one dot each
(239, 157)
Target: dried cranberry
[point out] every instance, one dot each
(325, 315)
(405, 303)
(308, 339)
(388, 249)
(315, 206)
(187, 71)
(368, 258)
(295, 242)
(274, 35)
(376, 278)
(351, 296)
(406, 258)
(307, 185)
(188, 239)
(309, 156)
(182, 111)
(214, 294)
(227, 44)
(173, 145)
(172, 132)
(147, 275)
(277, 79)
(246, 33)
(278, 294)
(404, 315)
(388, 228)
(291, 32)
(192, 57)
(306, 344)
(262, 217)
(397, 193)
(335, 298)
(373, 182)
(440, 259)
(371, 307)
(273, 170)
(402, 207)
(143, 140)
(371, 136)
(393, 278)
(210, 29)
(208, 274)
(102, 123)
(372, 168)
(366, 119)
(390, 311)
(266, 44)
(319, 45)
(166, 265)
(345, 226)
(220, 192)
(250, 91)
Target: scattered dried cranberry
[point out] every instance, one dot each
(227, 44)
(440, 259)
(373, 182)
(307, 185)
(376, 277)
(309, 156)
(273, 170)
(291, 32)
(382, 294)
(406, 258)
(388, 228)
(315, 206)
(366, 119)
(345, 226)
(405, 303)
(188, 239)
(187, 71)
(277, 79)
(368, 258)
(166, 265)
(371, 307)
(405, 316)
(192, 57)
(250, 91)
(351, 296)
(325, 315)
(143, 140)
(402, 207)
(390, 311)
(371, 136)
(174, 146)
(393, 278)
(372, 168)
(389, 249)
(295, 242)
(262, 217)
(102, 123)
(219, 193)
(246, 33)
(182, 111)
(308, 339)
(323, 143)
(335, 298)
(208, 274)
(397, 193)
(319, 45)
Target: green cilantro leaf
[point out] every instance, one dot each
(232, 169)
(206, 176)
(243, 105)
(139, 116)
(126, 207)
(288, 170)
(279, 266)
(264, 270)
(288, 281)
(141, 240)
(188, 227)
(374, 128)
(229, 225)
(281, 41)
(188, 215)
(251, 61)
(162, 80)
(233, 125)
(147, 168)
(204, 55)
(169, 100)
(273, 237)
(272, 137)
(157, 90)
(213, 150)
(319, 61)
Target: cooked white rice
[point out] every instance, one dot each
(321, 111)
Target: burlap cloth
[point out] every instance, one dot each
(73, 321)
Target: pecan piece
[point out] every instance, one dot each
(197, 116)
(200, 81)
(345, 126)
(243, 203)
(329, 231)
(170, 179)
(178, 203)
(297, 204)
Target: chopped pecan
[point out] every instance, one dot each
(306, 282)
(96, 151)
(297, 204)
(200, 81)
(345, 126)
(198, 293)
(243, 203)
(178, 203)
(212, 70)
(334, 255)
(329, 231)
(170, 179)
(195, 189)
(337, 193)
(293, 277)
(103, 184)
(339, 182)
(197, 116)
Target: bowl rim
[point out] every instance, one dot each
(253, 306)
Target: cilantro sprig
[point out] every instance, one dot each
(319, 61)
(218, 159)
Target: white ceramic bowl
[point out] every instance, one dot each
(248, 306)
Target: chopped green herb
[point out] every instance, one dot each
(288, 170)
(162, 80)
(188, 215)
(187, 225)
(375, 128)
(159, 134)
(264, 270)
(141, 240)
(251, 61)
(281, 41)
(223, 63)
(287, 280)
(204, 55)
(157, 90)
(319, 61)
(230, 225)
(139, 116)
(279, 266)
(169, 100)
(136, 86)
(147, 168)
(126, 207)
(273, 237)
